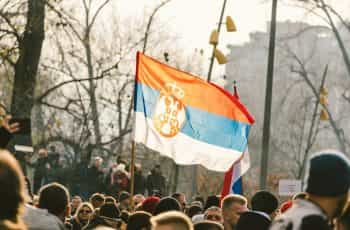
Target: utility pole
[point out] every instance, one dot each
(268, 98)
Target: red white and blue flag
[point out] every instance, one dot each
(233, 177)
(186, 118)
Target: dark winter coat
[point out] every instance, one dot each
(95, 179)
(156, 182)
(5, 137)
(140, 183)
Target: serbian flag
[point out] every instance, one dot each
(186, 118)
(233, 177)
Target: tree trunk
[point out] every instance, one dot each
(28, 61)
(92, 90)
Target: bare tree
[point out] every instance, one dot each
(25, 48)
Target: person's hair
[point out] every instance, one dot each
(82, 205)
(214, 209)
(177, 195)
(264, 201)
(233, 198)
(124, 195)
(167, 204)
(194, 210)
(12, 195)
(199, 199)
(97, 197)
(213, 200)
(110, 199)
(98, 159)
(139, 220)
(208, 225)
(344, 219)
(174, 218)
(54, 197)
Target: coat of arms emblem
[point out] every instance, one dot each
(169, 115)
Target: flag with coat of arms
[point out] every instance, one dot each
(186, 118)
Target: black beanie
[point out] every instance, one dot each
(329, 174)
(252, 221)
(167, 204)
(110, 210)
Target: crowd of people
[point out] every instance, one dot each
(324, 205)
(86, 179)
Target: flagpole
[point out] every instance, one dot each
(133, 143)
(268, 99)
(132, 173)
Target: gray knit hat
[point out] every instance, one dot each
(328, 174)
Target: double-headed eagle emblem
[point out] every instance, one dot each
(170, 116)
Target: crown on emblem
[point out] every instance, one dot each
(174, 90)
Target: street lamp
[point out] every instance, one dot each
(214, 40)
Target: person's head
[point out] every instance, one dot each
(232, 207)
(208, 225)
(213, 200)
(84, 212)
(110, 210)
(343, 223)
(333, 168)
(12, 195)
(120, 160)
(124, 198)
(264, 201)
(199, 199)
(252, 220)
(43, 152)
(181, 198)
(98, 162)
(138, 199)
(52, 149)
(194, 210)
(171, 220)
(149, 205)
(167, 204)
(75, 202)
(139, 220)
(55, 198)
(110, 199)
(214, 214)
(156, 169)
(97, 200)
(138, 168)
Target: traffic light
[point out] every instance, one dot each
(214, 37)
(230, 25)
(324, 102)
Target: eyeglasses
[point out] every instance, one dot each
(85, 211)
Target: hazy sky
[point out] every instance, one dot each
(193, 20)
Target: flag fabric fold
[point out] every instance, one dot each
(187, 119)
(233, 177)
